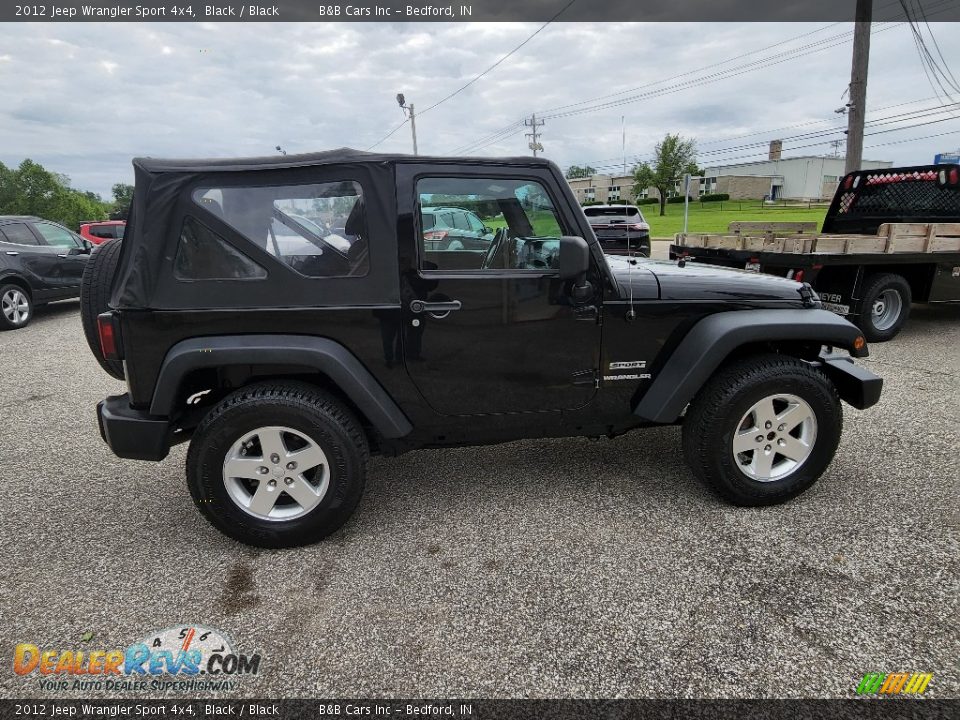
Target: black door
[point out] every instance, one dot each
(24, 252)
(487, 325)
(67, 253)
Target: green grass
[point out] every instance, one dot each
(543, 221)
(716, 216)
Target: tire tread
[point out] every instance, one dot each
(96, 286)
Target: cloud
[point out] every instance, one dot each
(83, 99)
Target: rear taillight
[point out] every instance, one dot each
(109, 331)
(847, 182)
(638, 226)
(435, 235)
(953, 176)
(798, 276)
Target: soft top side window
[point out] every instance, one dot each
(317, 229)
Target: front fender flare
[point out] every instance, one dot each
(321, 354)
(712, 340)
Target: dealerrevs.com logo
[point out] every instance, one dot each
(189, 657)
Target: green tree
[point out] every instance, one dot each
(122, 199)
(6, 188)
(575, 171)
(673, 156)
(31, 189)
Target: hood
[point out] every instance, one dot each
(699, 281)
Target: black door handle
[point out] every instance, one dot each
(419, 306)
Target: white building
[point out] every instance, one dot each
(803, 178)
(807, 177)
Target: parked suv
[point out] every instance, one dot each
(96, 231)
(620, 228)
(285, 370)
(451, 228)
(40, 261)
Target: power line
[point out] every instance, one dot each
(933, 37)
(389, 134)
(768, 131)
(529, 38)
(761, 63)
(918, 114)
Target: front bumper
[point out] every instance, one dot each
(855, 385)
(132, 434)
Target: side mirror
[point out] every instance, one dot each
(574, 258)
(77, 251)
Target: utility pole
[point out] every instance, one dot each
(408, 109)
(858, 85)
(413, 128)
(533, 124)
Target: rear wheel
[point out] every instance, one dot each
(763, 430)
(16, 307)
(95, 289)
(277, 465)
(886, 306)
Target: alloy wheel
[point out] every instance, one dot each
(15, 306)
(276, 473)
(774, 437)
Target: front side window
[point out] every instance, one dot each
(57, 236)
(497, 224)
(319, 230)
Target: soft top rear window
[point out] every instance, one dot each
(612, 212)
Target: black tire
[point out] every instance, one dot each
(13, 294)
(715, 415)
(874, 287)
(299, 407)
(95, 288)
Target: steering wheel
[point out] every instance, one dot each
(496, 245)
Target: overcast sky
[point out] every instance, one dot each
(84, 98)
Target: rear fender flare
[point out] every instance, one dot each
(321, 354)
(712, 340)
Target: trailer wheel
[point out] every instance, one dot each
(886, 306)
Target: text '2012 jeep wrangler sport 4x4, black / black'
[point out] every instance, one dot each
(290, 315)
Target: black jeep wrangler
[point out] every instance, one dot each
(290, 315)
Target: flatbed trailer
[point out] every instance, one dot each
(891, 237)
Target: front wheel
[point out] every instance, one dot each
(763, 430)
(277, 465)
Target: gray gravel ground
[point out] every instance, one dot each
(549, 568)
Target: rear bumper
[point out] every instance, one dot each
(132, 434)
(855, 386)
(621, 243)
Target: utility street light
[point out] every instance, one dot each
(408, 109)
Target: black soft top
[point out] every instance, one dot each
(339, 156)
(162, 199)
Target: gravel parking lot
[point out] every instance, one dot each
(549, 568)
